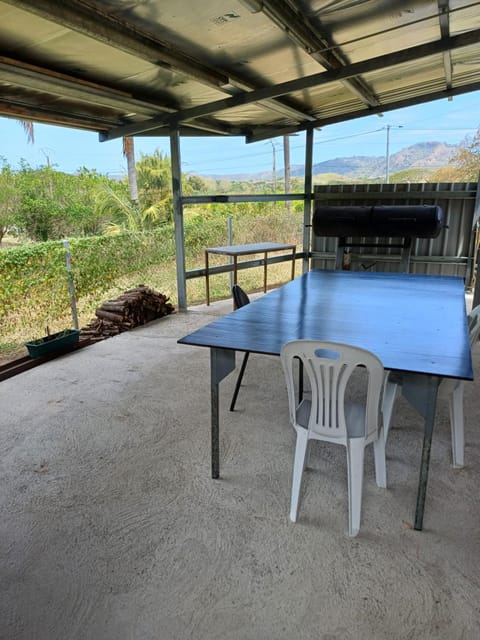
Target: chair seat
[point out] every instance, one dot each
(354, 417)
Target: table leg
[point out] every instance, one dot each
(207, 283)
(421, 392)
(265, 272)
(425, 461)
(215, 431)
(235, 269)
(222, 362)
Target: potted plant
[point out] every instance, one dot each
(52, 342)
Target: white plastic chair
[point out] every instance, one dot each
(449, 390)
(331, 417)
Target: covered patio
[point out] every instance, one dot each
(111, 526)
(256, 69)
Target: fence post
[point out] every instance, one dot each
(230, 242)
(71, 285)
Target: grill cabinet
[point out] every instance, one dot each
(350, 223)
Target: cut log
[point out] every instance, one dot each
(115, 306)
(107, 315)
(132, 308)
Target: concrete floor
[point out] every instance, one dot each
(112, 529)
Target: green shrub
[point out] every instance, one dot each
(34, 280)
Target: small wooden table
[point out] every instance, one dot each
(244, 250)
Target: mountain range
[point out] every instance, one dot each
(423, 155)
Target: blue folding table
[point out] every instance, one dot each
(417, 326)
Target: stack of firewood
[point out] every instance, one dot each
(131, 309)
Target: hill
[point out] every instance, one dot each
(423, 155)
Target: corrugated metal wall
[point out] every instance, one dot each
(451, 253)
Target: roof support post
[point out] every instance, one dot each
(178, 217)
(307, 206)
(476, 250)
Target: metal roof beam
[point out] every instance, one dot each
(317, 43)
(444, 19)
(27, 77)
(265, 133)
(86, 19)
(54, 114)
(20, 74)
(83, 18)
(374, 64)
(42, 113)
(30, 77)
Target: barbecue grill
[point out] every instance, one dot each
(351, 223)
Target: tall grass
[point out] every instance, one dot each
(48, 304)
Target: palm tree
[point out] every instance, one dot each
(125, 215)
(28, 128)
(129, 153)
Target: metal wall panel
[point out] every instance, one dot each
(451, 253)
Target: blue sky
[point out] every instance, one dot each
(69, 149)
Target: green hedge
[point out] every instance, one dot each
(34, 278)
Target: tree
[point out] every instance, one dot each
(154, 177)
(445, 174)
(37, 207)
(8, 199)
(28, 128)
(52, 204)
(467, 160)
(123, 214)
(81, 211)
(155, 184)
(195, 184)
(129, 153)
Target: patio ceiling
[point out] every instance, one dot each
(251, 68)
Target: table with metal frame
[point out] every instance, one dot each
(235, 251)
(416, 324)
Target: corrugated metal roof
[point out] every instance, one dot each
(239, 67)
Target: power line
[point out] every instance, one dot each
(240, 168)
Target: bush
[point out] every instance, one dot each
(34, 278)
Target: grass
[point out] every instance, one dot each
(162, 279)
(277, 224)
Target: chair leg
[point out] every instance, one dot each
(455, 403)
(298, 466)
(239, 381)
(380, 464)
(306, 461)
(390, 392)
(355, 457)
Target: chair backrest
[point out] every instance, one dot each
(240, 298)
(474, 324)
(329, 367)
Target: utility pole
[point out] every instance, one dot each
(286, 161)
(387, 154)
(274, 167)
(387, 159)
